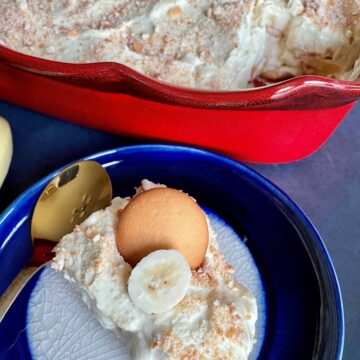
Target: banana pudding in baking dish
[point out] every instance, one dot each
(203, 44)
(168, 295)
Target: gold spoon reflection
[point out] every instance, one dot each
(68, 199)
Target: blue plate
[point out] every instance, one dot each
(304, 317)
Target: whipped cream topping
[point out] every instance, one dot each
(205, 44)
(216, 319)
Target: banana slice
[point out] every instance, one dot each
(159, 281)
(6, 148)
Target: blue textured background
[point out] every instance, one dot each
(326, 186)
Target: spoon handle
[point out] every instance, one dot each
(14, 289)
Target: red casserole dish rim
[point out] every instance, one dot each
(301, 92)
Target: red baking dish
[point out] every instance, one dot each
(276, 123)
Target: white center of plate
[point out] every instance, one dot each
(60, 326)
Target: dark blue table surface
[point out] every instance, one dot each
(326, 186)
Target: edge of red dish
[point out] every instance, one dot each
(302, 92)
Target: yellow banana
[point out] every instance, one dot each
(6, 148)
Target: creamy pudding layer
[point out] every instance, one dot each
(205, 44)
(215, 320)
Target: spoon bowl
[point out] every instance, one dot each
(67, 200)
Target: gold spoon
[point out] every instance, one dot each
(68, 199)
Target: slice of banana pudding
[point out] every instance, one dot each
(165, 307)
